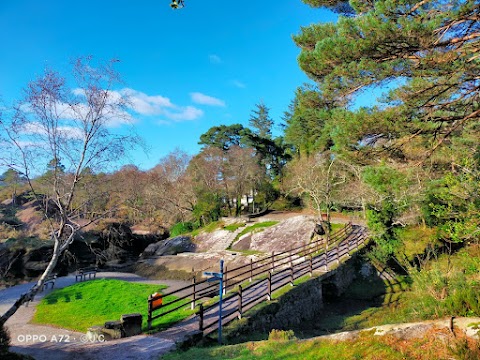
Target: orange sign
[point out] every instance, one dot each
(157, 302)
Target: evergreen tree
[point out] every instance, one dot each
(428, 51)
(260, 121)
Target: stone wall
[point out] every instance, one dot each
(301, 304)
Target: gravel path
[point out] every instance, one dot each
(50, 343)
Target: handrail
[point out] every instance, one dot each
(197, 290)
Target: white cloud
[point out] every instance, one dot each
(154, 105)
(146, 104)
(215, 59)
(140, 103)
(238, 84)
(203, 99)
(184, 114)
(68, 132)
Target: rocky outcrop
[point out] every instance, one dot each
(287, 234)
(111, 247)
(173, 246)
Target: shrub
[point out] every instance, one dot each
(181, 228)
(281, 335)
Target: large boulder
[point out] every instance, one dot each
(171, 246)
(290, 233)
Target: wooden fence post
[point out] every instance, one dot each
(311, 266)
(150, 306)
(326, 259)
(194, 294)
(356, 242)
(273, 260)
(240, 295)
(269, 286)
(200, 318)
(338, 253)
(291, 275)
(251, 269)
(225, 281)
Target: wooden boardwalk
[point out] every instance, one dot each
(282, 270)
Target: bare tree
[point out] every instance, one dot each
(170, 188)
(56, 124)
(319, 177)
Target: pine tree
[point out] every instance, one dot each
(260, 120)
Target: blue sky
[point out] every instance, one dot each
(188, 70)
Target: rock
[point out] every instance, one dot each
(114, 329)
(132, 324)
(287, 234)
(172, 246)
(95, 333)
(319, 230)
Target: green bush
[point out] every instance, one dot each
(181, 228)
(281, 335)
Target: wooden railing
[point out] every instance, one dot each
(269, 273)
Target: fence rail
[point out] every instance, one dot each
(275, 270)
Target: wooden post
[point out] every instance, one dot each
(269, 286)
(338, 253)
(273, 260)
(251, 269)
(194, 294)
(225, 282)
(291, 275)
(150, 306)
(326, 260)
(200, 318)
(240, 295)
(311, 266)
(348, 245)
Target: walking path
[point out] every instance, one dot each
(50, 343)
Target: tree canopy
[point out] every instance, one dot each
(428, 50)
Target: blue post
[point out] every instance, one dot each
(220, 304)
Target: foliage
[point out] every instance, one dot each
(233, 227)
(446, 285)
(416, 242)
(429, 47)
(305, 121)
(181, 228)
(261, 121)
(63, 130)
(257, 227)
(323, 179)
(452, 204)
(431, 346)
(90, 303)
(224, 137)
(281, 335)
(391, 187)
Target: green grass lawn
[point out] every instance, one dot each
(90, 303)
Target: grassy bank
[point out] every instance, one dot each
(434, 345)
(89, 303)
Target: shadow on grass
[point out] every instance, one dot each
(56, 297)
